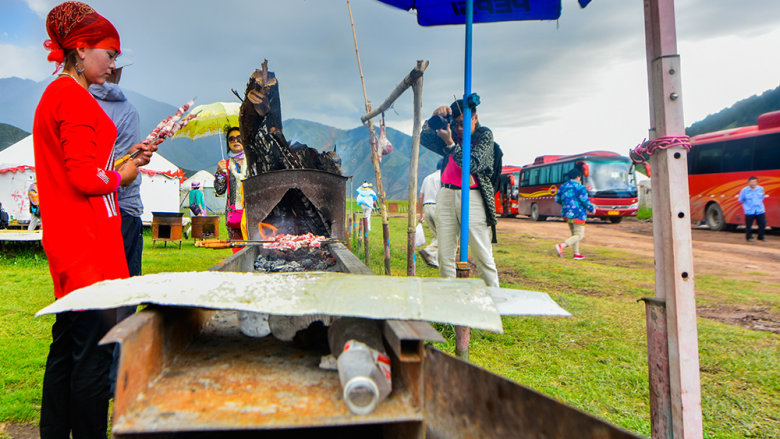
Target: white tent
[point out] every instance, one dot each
(204, 177)
(214, 204)
(17, 172)
(159, 184)
(159, 187)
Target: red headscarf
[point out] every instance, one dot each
(74, 25)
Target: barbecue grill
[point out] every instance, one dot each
(295, 202)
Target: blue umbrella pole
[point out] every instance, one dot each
(463, 333)
(466, 178)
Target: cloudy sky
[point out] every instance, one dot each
(547, 87)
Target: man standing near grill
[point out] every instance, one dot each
(125, 116)
(426, 211)
(445, 141)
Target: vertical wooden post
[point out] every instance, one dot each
(380, 192)
(359, 234)
(364, 222)
(347, 232)
(658, 369)
(671, 222)
(413, 165)
(462, 333)
(365, 238)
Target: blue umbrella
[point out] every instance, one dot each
(442, 12)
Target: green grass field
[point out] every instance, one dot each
(595, 360)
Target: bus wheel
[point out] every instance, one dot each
(715, 219)
(535, 213)
(615, 219)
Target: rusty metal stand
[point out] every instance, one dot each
(658, 368)
(462, 333)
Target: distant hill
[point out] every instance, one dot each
(19, 97)
(352, 147)
(742, 113)
(9, 135)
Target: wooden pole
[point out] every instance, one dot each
(409, 81)
(671, 226)
(462, 333)
(413, 165)
(380, 192)
(360, 234)
(365, 238)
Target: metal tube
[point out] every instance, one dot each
(466, 142)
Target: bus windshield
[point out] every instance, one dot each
(611, 178)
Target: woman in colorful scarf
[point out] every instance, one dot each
(230, 173)
(73, 142)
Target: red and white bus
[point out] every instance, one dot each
(719, 165)
(506, 192)
(609, 177)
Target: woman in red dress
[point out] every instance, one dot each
(73, 141)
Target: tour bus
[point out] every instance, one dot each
(609, 178)
(719, 165)
(506, 192)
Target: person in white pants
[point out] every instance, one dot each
(482, 213)
(426, 212)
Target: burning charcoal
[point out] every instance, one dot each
(322, 265)
(307, 263)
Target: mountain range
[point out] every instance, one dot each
(19, 97)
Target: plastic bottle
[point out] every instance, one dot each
(364, 368)
(365, 377)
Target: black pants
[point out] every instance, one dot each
(760, 220)
(75, 383)
(132, 235)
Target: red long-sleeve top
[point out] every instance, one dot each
(74, 141)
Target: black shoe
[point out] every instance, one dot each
(427, 258)
(751, 239)
(762, 239)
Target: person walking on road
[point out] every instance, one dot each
(575, 205)
(752, 199)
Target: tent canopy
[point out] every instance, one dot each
(441, 12)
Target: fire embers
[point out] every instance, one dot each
(302, 259)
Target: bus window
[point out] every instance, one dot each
(523, 178)
(707, 159)
(738, 156)
(565, 169)
(767, 152)
(533, 177)
(555, 174)
(544, 175)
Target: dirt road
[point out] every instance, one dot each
(724, 254)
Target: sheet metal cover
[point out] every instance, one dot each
(511, 302)
(456, 301)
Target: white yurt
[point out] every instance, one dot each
(17, 173)
(159, 187)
